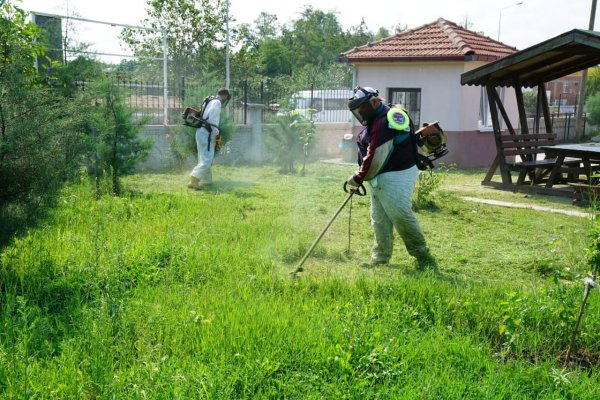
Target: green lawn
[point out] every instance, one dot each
(167, 293)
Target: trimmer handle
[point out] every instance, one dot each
(361, 190)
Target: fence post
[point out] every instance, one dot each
(312, 99)
(262, 101)
(262, 92)
(182, 93)
(246, 102)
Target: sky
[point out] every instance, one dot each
(521, 25)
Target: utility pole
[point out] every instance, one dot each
(579, 133)
(500, 16)
(227, 80)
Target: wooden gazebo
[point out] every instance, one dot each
(565, 54)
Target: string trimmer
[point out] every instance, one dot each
(361, 191)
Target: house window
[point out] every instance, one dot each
(485, 116)
(410, 100)
(565, 88)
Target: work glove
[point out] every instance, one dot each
(354, 186)
(352, 183)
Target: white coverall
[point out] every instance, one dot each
(391, 207)
(206, 150)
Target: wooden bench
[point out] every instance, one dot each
(584, 193)
(528, 148)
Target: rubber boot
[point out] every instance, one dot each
(194, 183)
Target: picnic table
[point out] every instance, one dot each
(587, 153)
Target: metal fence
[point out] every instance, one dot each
(148, 101)
(563, 125)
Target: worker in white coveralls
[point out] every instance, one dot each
(387, 159)
(206, 136)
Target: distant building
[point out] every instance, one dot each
(421, 68)
(564, 91)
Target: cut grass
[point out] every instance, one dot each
(171, 293)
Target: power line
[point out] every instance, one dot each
(162, 30)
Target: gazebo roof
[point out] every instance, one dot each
(554, 58)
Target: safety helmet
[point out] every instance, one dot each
(360, 103)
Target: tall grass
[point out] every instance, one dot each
(167, 293)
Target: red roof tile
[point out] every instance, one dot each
(439, 40)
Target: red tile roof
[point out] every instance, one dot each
(441, 40)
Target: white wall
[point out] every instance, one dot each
(443, 98)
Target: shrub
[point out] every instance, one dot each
(592, 106)
(290, 138)
(42, 137)
(427, 183)
(117, 144)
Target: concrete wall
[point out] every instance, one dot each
(160, 158)
(246, 146)
(329, 138)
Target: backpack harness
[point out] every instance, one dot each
(194, 119)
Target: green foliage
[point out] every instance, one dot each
(290, 138)
(429, 181)
(69, 76)
(530, 101)
(195, 35)
(42, 135)
(513, 311)
(305, 38)
(118, 147)
(302, 53)
(592, 105)
(164, 293)
(594, 249)
(227, 127)
(592, 83)
(20, 42)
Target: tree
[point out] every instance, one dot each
(118, 146)
(315, 38)
(592, 105)
(530, 101)
(267, 26)
(195, 34)
(275, 58)
(19, 44)
(592, 84)
(358, 35)
(382, 33)
(42, 140)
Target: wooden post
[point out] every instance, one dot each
(545, 107)
(492, 96)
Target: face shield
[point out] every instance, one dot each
(360, 104)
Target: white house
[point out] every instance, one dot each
(421, 68)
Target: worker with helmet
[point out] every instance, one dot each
(387, 159)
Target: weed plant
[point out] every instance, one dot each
(167, 293)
